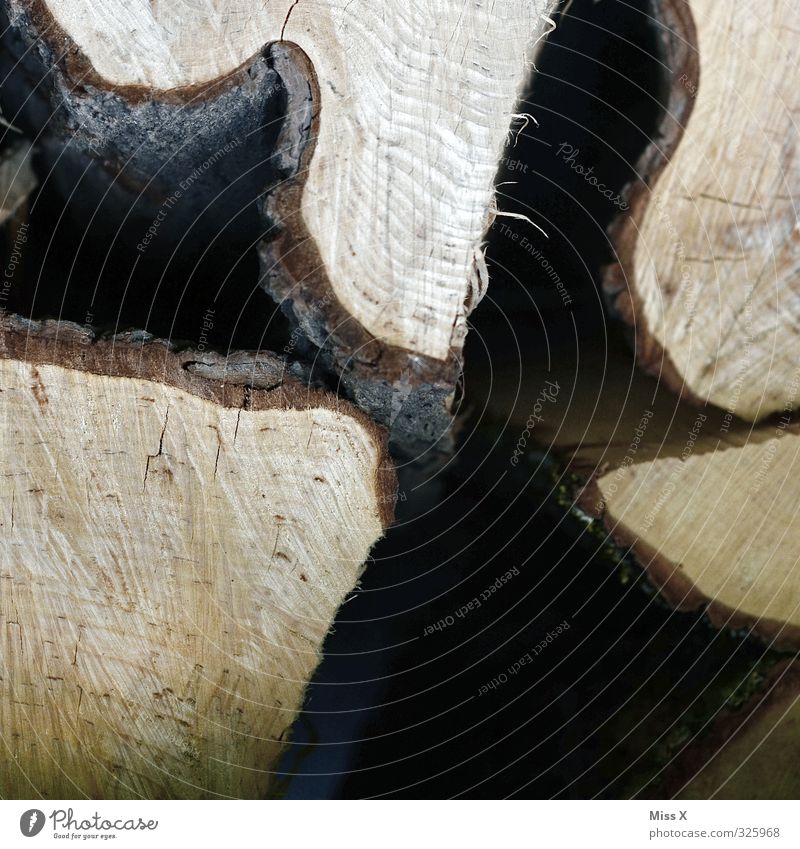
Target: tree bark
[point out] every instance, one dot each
(180, 527)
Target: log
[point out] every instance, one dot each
(751, 753)
(704, 501)
(180, 527)
(705, 504)
(370, 136)
(706, 258)
(177, 532)
(704, 284)
(708, 512)
(706, 508)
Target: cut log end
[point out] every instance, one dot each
(175, 544)
(707, 511)
(388, 157)
(706, 276)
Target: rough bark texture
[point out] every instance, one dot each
(120, 155)
(412, 395)
(180, 527)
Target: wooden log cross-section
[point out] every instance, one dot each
(179, 528)
(692, 464)
(707, 276)
(377, 190)
(707, 280)
(709, 513)
(178, 532)
(707, 507)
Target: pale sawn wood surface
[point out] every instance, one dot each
(415, 105)
(716, 260)
(169, 568)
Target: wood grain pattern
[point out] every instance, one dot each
(415, 103)
(709, 257)
(173, 550)
(708, 504)
(712, 518)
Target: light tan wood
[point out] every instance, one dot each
(716, 515)
(415, 105)
(714, 272)
(171, 562)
